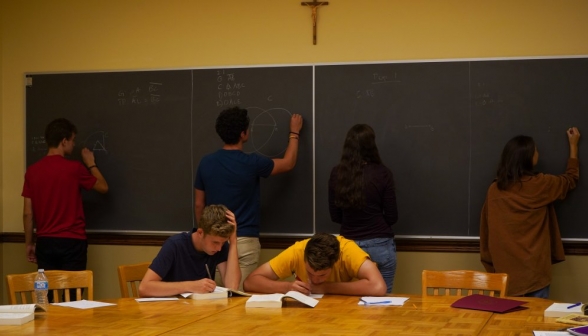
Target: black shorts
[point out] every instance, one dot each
(66, 254)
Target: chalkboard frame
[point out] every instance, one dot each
(301, 235)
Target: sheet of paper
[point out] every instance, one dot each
(316, 296)
(550, 333)
(218, 289)
(84, 304)
(382, 301)
(156, 299)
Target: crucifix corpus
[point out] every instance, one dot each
(314, 5)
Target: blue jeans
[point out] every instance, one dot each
(382, 251)
(540, 293)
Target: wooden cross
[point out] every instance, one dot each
(314, 5)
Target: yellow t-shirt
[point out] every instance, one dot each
(345, 269)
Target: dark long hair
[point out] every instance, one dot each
(359, 149)
(516, 161)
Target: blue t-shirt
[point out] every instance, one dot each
(178, 260)
(231, 178)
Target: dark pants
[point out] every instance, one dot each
(64, 254)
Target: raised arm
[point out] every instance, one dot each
(153, 286)
(289, 161)
(230, 271)
(370, 282)
(573, 138)
(88, 157)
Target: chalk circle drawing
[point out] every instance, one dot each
(96, 142)
(268, 131)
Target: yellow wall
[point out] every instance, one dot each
(73, 35)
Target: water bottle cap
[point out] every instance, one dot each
(41, 270)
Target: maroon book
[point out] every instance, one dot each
(488, 303)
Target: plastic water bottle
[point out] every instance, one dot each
(41, 288)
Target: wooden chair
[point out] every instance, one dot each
(60, 282)
(463, 283)
(131, 274)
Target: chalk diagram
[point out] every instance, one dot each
(268, 131)
(430, 127)
(96, 142)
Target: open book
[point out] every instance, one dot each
(574, 319)
(18, 314)
(218, 293)
(275, 300)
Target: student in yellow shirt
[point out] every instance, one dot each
(323, 264)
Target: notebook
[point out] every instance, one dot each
(489, 303)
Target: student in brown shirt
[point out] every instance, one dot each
(519, 233)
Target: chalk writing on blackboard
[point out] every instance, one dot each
(147, 94)
(430, 127)
(383, 79)
(38, 144)
(96, 142)
(268, 131)
(228, 89)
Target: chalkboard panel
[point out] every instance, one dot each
(441, 127)
(271, 95)
(149, 129)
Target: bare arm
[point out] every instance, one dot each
(265, 280)
(573, 138)
(27, 218)
(153, 286)
(370, 282)
(289, 161)
(88, 157)
(230, 271)
(199, 203)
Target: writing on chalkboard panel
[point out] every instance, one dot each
(149, 94)
(268, 131)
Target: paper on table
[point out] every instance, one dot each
(316, 296)
(550, 333)
(382, 301)
(156, 299)
(84, 304)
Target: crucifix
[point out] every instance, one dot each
(314, 5)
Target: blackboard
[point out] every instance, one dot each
(149, 129)
(440, 127)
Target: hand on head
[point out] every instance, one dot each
(231, 218)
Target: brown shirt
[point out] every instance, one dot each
(519, 233)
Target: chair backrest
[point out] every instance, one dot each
(60, 282)
(463, 283)
(131, 275)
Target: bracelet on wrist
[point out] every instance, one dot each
(94, 166)
(293, 137)
(294, 133)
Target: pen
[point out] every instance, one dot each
(208, 271)
(574, 305)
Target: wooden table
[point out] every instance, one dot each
(334, 315)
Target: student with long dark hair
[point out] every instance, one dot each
(519, 233)
(362, 199)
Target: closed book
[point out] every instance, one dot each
(276, 300)
(16, 318)
(563, 309)
(488, 303)
(578, 331)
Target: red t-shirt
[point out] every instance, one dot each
(54, 186)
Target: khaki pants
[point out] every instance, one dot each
(249, 248)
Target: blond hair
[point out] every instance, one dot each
(214, 221)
